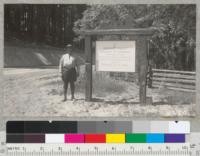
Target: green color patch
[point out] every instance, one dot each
(135, 138)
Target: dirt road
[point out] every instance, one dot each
(38, 92)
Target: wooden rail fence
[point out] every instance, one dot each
(173, 79)
(156, 78)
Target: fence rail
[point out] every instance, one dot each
(173, 79)
(156, 78)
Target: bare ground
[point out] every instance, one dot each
(38, 92)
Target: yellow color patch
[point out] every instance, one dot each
(115, 138)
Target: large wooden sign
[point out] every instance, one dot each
(115, 56)
(118, 56)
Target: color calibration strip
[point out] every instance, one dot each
(97, 138)
(84, 127)
(97, 132)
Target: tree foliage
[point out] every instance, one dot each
(172, 46)
(42, 23)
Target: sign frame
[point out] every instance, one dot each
(140, 35)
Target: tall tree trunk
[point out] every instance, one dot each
(34, 24)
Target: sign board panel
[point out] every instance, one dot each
(115, 56)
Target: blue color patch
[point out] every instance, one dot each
(155, 138)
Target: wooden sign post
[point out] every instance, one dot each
(141, 37)
(88, 68)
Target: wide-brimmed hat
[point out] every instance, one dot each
(68, 46)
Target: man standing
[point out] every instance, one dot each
(69, 70)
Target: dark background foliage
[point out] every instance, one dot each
(171, 47)
(48, 24)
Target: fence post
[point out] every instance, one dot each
(150, 76)
(88, 68)
(141, 45)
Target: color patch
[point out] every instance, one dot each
(15, 127)
(105, 127)
(115, 138)
(135, 138)
(122, 127)
(74, 138)
(34, 138)
(54, 138)
(95, 138)
(179, 127)
(174, 138)
(141, 127)
(14, 138)
(155, 138)
(87, 127)
(159, 127)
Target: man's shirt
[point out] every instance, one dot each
(67, 61)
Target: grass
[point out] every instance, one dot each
(180, 97)
(102, 84)
(177, 97)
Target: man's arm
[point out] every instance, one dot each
(77, 67)
(61, 65)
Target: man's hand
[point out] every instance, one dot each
(77, 73)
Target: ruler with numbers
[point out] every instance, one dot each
(98, 149)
